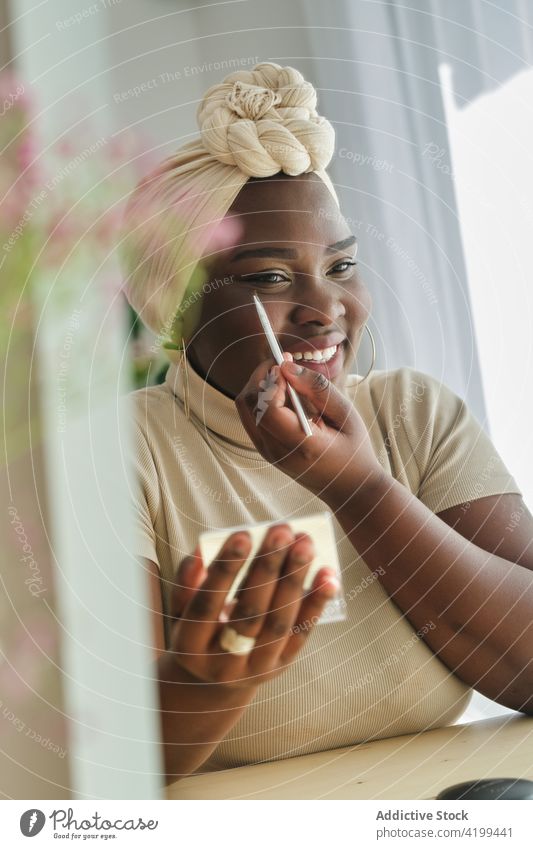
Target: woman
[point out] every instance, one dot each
(437, 580)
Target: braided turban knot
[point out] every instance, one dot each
(253, 124)
(265, 121)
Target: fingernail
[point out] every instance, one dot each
(239, 546)
(279, 538)
(330, 579)
(293, 368)
(302, 555)
(188, 569)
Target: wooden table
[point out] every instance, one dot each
(415, 766)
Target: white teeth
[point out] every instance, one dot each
(317, 356)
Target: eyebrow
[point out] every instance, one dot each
(290, 253)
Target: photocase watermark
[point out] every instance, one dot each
(187, 71)
(339, 603)
(65, 825)
(389, 661)
(83, 14)
(74, 163)
(393, 245)
(199, 483)
(65, 820)
(10, 99)
(328, 215)
(373, 232)
(195, 480)
(418, 274)
(516, 517)
(64, 365)
(416, 394)
(187, 303)
(357, 158)
(437, 156)
(18, 723)
(279, 149)
(35, 582)
(49, 186)
(32, 822)
(25, 218)
(479, 487)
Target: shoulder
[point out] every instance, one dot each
(397, 389)
(152, 411)
(150, 417)
(414, 411)
(148, 399)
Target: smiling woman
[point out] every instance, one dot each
(407, 472)
(304, 269)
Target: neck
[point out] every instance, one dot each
(193, 362)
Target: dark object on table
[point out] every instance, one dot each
(490, 788)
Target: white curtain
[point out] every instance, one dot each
(377, 67)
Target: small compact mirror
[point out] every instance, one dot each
(319, 526)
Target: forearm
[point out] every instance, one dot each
(481, 604)
(194, 717)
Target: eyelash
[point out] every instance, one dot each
(261, 278)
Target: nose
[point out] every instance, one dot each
(320, 303)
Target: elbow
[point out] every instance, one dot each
(518, 695)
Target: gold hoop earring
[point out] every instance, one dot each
(186, 389)
(372, 342)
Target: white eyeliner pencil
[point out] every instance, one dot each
(277, 353)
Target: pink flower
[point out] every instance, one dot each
(26, 152)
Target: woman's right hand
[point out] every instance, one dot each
(270, 606)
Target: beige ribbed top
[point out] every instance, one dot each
(369, 676)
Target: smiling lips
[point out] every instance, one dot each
(317, 349)
(321, 353)
(317, 356)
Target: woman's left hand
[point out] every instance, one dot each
(332, 463)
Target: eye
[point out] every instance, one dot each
(347, 263)
(265, 278)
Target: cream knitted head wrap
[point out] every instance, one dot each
(254, 124)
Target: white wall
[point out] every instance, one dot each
(101, 591)
(491, 146)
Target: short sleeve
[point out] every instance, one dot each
(457, 461)
(145, 496)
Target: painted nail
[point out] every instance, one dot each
(293, 368)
